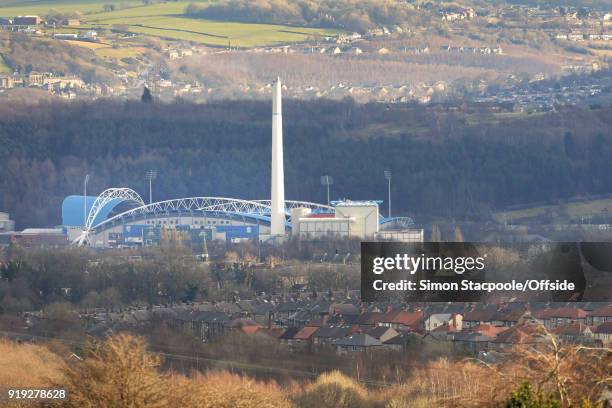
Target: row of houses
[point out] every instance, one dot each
(472, 50)
(454, 13)
(42, 80)
(577, 36)
(354, 326)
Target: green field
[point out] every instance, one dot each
(11, 8)
(573, 211)
(3, 67)
(166, 20)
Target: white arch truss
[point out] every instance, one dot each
(216, 204)
(219, 204)
(107, 196)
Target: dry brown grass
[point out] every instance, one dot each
(121, 372)
(570, 373)
(445, 384)
(28, 365)
(225, 390)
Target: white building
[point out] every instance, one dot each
(359, 219)
(6, 224)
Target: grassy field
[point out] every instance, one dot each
(119, 53)
(11, 8)
(574, 210)
(28, 365)
(166, 20)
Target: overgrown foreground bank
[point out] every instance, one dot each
(121, 372)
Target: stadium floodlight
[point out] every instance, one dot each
(85, 198)
(327, 181)
(151, 175)
(388, 177)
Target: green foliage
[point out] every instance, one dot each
(525, 397)
(350, 15)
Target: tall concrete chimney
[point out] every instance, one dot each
(278, 174)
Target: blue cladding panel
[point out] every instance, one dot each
(133, 231)
(72, 210)
(239, 231)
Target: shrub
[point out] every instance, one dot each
(119, 372)
(333, 390)
(525, 397)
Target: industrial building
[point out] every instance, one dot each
(119, 217)
(358, 219)
(30, 237)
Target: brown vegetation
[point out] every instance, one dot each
(28, 365)
(25, 54)
(120, 372)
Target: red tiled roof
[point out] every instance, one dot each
(487, 330)
(541, 313)
(444, 328)
(574, 328)
(520, 334)
(249, 329)
(306, 333)
(567, 312)
(402, 317)
(479, 315)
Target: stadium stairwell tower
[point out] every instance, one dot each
(278, 176)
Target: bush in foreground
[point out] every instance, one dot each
(333, 390)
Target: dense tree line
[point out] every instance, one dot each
(32, 279)
(460, 162)
(345, 14)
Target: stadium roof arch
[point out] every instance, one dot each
(93, 214)
(255, 210)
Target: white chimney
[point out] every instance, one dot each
(278, 176)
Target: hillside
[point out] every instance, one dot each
(21, 53)
(166, 20)
(452, 164)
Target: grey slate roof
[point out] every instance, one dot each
(332, 332)
(358, 340)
